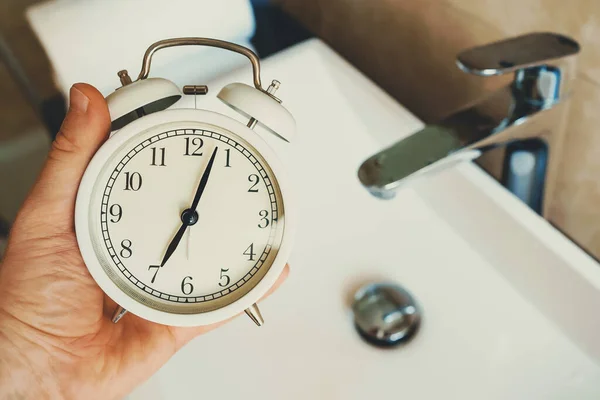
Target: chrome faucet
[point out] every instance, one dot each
(532, 106)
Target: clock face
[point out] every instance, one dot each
(186, 220)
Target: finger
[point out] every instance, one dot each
(84, 129)
(184, 335)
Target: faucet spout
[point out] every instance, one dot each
(533, 105)
(433, 148)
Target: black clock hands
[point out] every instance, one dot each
(203, 181)
(174, 243)
(189, 217)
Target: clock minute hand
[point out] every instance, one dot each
(203, 180)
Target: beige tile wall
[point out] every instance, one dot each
(408, 47)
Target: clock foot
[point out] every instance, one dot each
(119, 313)
(254, 313)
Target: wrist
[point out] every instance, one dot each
(25, 371)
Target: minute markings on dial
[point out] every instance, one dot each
(261, 256)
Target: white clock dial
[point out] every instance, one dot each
(161, 251)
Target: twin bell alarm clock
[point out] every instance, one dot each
(183, 216)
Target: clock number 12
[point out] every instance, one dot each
(190, 143)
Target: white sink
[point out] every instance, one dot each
(509, 304)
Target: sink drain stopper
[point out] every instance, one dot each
(385, 314)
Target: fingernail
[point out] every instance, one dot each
(77, 100)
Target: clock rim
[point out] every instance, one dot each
(83, 202)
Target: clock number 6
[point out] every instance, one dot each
(187, 287)
(264, 221)
(227, 278)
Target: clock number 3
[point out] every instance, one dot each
(264, 221)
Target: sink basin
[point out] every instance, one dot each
(508, 302)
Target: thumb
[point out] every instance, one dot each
(52, 200)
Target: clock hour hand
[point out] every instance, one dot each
(174, 243)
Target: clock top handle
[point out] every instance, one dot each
(148, 95)
(198, 41)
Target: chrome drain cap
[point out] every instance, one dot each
(385, 314)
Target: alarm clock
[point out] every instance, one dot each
(183, 216)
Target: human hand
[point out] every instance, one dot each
(56, 337)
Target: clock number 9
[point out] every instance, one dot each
(187, 287)
(227, 278)
(126, 248)
(117, 212)
(264, 221)
(190, 142)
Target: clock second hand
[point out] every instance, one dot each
(189, 217)
(187, 244)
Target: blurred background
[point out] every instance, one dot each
(407, 47)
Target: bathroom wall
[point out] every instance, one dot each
(408, 47)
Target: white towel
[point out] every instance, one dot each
(91, 40)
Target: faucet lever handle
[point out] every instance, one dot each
(521, 52)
